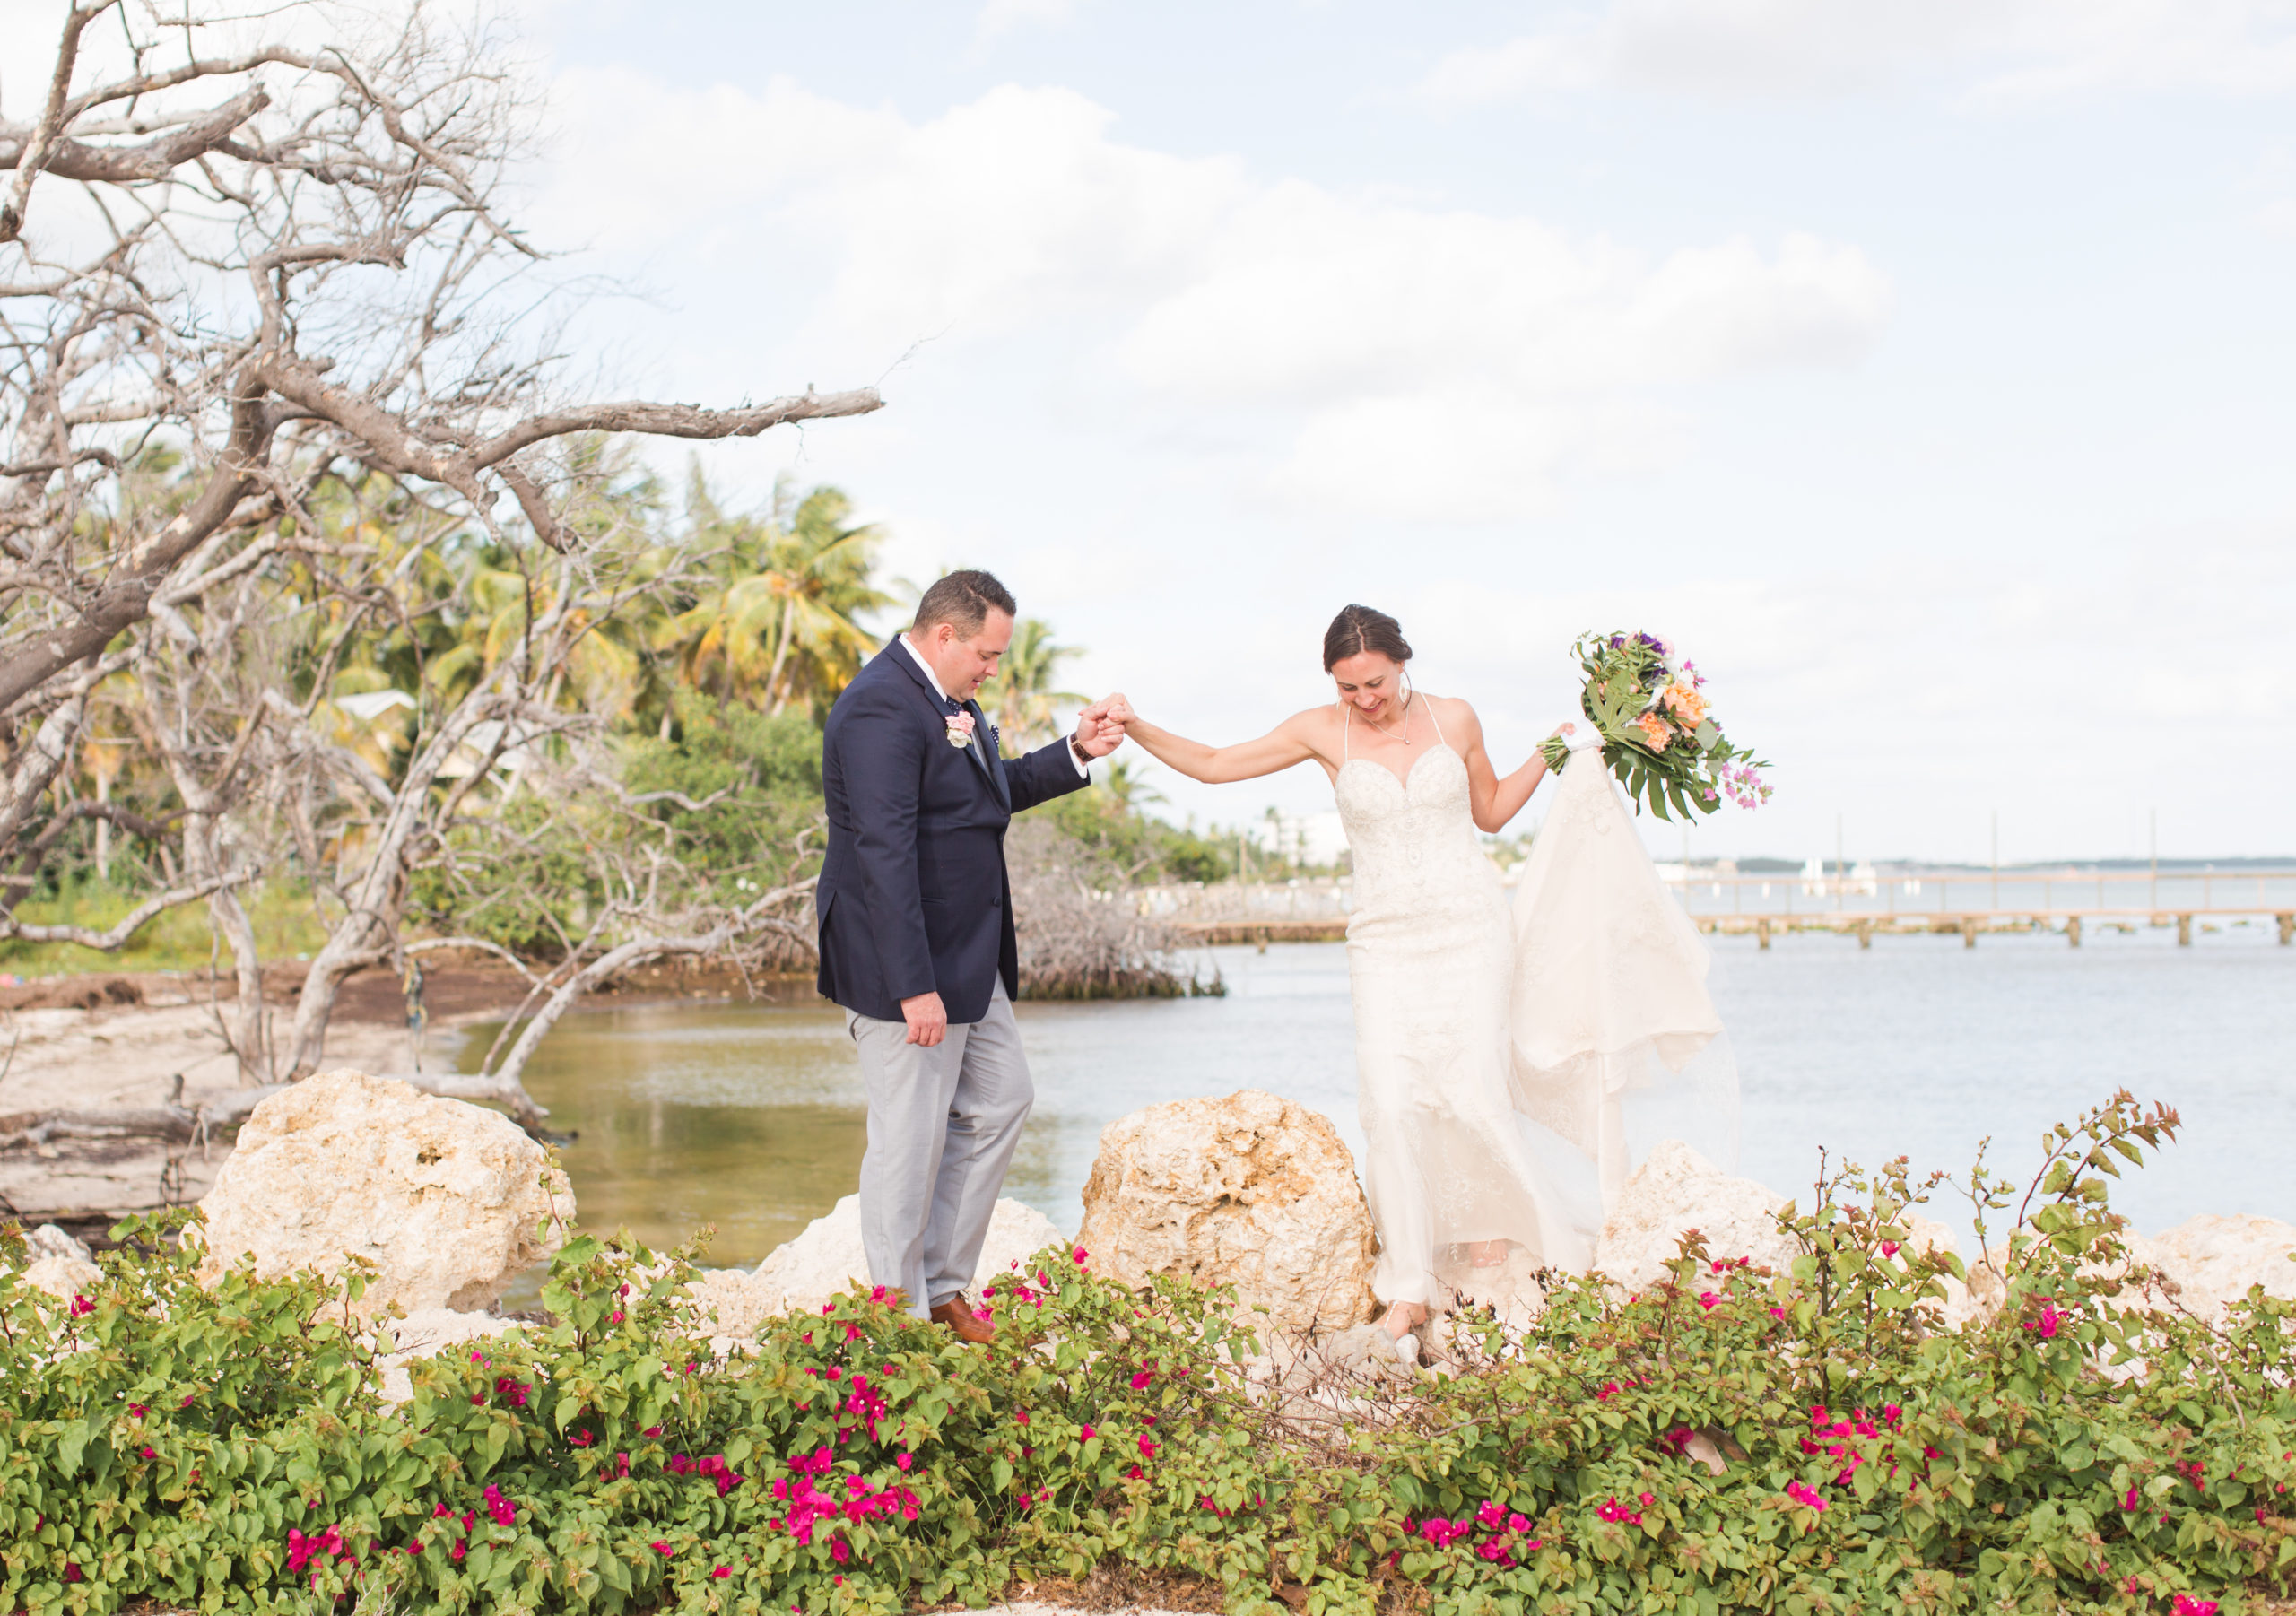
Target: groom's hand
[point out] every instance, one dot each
(927, 1019)
(1098, 731)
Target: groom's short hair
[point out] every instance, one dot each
(963, 600)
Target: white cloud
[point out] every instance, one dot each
(1340, 329)
(1994, 50)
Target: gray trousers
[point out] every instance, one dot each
(943, 1124)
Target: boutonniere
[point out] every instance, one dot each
(959, 729)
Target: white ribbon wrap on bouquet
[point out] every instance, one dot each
(1616, 1043)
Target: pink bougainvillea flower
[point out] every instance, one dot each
(1709, 1300)
(1086, 1433)
(2187, 1605)
(1888, 1248)
(580, 1439)
(659, 1547)
(1147, 1448)
(1133, 1474)
(728, 1570)
(1142, 1379)
(1609, 1391)
(1080, 1254)
(2049, 1322)
(82, 1307)
(1802, 1493)
(139, 1409)
(904, 1460)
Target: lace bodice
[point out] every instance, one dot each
(1413, 837)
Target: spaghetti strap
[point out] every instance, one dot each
(1439, 736)
(1345, 714)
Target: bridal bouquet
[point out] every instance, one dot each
(1659, 735)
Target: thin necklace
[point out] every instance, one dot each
(1383, 729)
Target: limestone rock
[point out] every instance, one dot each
(827, 1259)
(736, 1299)
(63, 1277)
(2215, 1260)
(450, 1200)
(1250, 1191)
(1676, 1190)
(49, 1241)
(426, 1334)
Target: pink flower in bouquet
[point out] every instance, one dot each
(959, 729)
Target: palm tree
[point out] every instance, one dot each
(1021, 699)
(777, 624)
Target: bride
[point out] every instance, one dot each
(1455, 1163)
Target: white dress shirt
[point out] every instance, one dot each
(933, 679)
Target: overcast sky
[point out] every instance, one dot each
(1922, 365)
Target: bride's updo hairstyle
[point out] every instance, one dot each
(1359, 628)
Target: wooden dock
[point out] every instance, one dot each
(1970, 926)
(1955, 902)
(1263, 932)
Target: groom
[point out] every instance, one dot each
(916, 937)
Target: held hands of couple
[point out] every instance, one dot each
(1099, 728)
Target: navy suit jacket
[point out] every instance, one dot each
(913, 896)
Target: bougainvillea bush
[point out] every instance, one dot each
(1728, 1440)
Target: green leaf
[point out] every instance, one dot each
(74, 1444)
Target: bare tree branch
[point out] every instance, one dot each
(114, 937)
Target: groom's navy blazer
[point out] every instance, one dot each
(913, 896)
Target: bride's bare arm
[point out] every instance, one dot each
(1286, 744)
(1495, 799)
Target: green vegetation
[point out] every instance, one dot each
(180, 938)
(1730, 1439)
(663, 767)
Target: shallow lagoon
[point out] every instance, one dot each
(750, 1116)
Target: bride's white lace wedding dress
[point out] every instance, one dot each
(1494, 1050)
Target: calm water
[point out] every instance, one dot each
(751, 1117)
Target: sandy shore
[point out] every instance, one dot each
(95, 1042)
(168, 1046)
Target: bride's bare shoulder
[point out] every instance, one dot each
(1452, 709)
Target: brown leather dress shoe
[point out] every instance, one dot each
(957, 1314)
